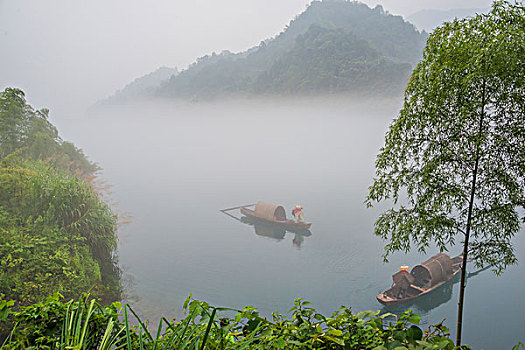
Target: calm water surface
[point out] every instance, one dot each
(172, 167)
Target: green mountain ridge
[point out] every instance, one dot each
(331, 61)
(334, 46)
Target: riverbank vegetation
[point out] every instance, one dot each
(56, 234)
(85, 324)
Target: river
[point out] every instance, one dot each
(172, 167)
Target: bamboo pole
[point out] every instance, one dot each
(242, 206)
(230, 215)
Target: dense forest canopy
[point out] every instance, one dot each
(329, 61)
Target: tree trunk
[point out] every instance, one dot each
(465, 256)
(469, 223)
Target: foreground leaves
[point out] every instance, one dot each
(84, 324)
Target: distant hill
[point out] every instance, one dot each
(334, 46)
(146, 85)
(428, 20)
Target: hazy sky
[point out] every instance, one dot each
(70, 53)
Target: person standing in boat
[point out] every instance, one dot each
(404, 269)
(298, 213)
(402, 281)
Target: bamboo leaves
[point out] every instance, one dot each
(453, 161)
(464, 109)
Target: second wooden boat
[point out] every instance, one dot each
(423, 279)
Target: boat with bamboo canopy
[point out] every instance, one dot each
(271, 214)
(274, 214)
(423, 279)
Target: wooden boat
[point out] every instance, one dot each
(275, 215)
(423, 279)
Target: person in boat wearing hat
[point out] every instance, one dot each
(298, 213)
(404, 269)
(402, 281)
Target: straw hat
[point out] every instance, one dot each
(298, 206)
(404, 268)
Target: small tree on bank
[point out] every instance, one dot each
(456, 153)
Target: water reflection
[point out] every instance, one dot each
(275, 231)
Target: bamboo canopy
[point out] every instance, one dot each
(436, 269)
(268, 211)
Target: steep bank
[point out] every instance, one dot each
(56, 233)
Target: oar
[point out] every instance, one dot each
(241, 206)
(230, 215)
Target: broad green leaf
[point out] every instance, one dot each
(415, 333)
(414, 318)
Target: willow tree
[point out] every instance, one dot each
(453, 163)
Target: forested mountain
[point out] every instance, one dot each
(334, 46)
(330, 61)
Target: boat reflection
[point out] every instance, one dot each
(275, 231)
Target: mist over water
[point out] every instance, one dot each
(173, 166)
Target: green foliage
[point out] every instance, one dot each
(56, 234)
(458, 143)
(84, 324)
(13, 120)
(53, 324)
(518, 346)
(30, 134)
(4, 308)
(37, 260)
